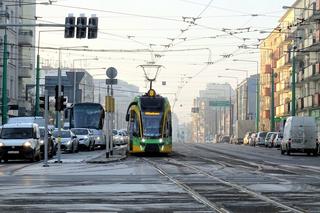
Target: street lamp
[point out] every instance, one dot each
(58, 113)
(230, 103)
(239, 70)
(37, 106)
(75, 75)
(257, 91)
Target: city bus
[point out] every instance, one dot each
(90, 116)
(149, 124)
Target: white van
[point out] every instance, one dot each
(299, 135)
(21, 140)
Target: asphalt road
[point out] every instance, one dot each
(194, 178)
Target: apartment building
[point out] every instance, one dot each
(21, 59)
(246, 98)
(211, 112)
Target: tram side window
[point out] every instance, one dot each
(169, 127)
(136, 129)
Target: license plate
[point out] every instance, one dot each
(13, 152)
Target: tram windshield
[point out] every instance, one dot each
(152, 125)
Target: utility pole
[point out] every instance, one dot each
(37, 107)
(293, 83)
(272, 102)
(4, 79)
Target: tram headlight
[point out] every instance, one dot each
(160, 140)
(143, 140)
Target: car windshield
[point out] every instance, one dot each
(42, 131)
(16, 133)
(262, 134)
(114, 132)
(80, 131)
(64, 134)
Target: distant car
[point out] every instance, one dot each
(119, 137)
(69, 141)
(260, 137)
(252, 139)
(20, 140)
(51, 144)
(277, 139)
(99, 138)
(268, 141)
(225, 139)
(85, 137)
(246, 138)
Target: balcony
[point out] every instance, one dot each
(25, 70)
(25, 37)
(308, 101)
(284, 61)
(309, 71)
(266, 92)
(316, 100)
(266, 114)
(300, 103)
(267, 69)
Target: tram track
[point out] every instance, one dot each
(208, 196)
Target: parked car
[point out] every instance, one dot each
(300, 135)
(225, 139)
(277, 139)
(252, 139)
(85, 137)
(51, 144)
(268, 141)
(20, 140)
(260, 137)
(69, 141)
(119, 137)
(247, 138)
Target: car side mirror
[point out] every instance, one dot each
(74, 136)
(127, 117)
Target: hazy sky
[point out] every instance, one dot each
(141, 24)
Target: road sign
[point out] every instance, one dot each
(195, 109)
(111, 72)
(111, 81)
(219, 103)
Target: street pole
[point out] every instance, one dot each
(230, 103)
(74, 83)
(272, 103)
(4, 80)
(46, 129)
(293, 83)
(258, 99)
(58, 112)
(37, 106)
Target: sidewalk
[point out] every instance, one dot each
(119, 153)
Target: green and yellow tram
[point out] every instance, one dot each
(149, 124)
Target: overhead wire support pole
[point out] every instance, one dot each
(4, 80)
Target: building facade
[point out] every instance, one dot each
(20, 47)
(211, 112)
(123, 93)
(246, 99)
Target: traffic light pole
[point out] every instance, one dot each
(272, 102)
(59, 112)
(4, 80)
(293, 83)
(46, 109)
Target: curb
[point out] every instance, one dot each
(102, 160)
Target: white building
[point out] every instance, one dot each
(123, 93)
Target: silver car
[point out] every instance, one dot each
(69, 141)
(85, 137)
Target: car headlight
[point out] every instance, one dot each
(85, 137)
(69, 142)
(2, 144)
(98, 138)
(143, 140)
(160, 140)
(41, 142)
(27, 144)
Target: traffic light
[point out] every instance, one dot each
(63, 103)
(57, 98)
(93, 28)
(81, 27)
(42, 102)
(69, 27)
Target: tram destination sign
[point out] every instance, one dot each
(219, 103)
